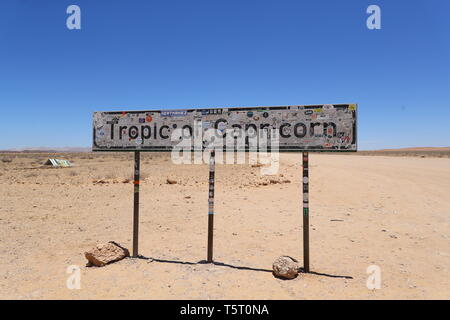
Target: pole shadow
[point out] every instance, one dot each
(221, 264)
(325, 274)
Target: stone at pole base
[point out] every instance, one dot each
(106, 253)
(285, 267)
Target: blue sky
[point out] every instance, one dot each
(175, 54)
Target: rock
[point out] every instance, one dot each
(99, 181)
(106, 253)
(285, 267)
(170, 181)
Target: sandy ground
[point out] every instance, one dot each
(393, 212)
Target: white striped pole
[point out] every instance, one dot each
(137, 171)
(305, 212)
(212, 162)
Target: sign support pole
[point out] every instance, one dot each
(212, 162)
(136, 203)
(305, 212)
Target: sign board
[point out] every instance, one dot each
(299, 128)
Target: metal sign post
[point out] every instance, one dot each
(305, 212)
(136, 203)
(212, 162)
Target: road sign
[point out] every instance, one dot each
(295, 128)
(300, 128)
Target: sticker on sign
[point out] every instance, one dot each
(295, 128)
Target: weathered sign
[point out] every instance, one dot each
(299, 128)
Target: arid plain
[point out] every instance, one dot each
(369, 209)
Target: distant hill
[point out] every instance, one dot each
(423, 152)
(49, 150)
(416, 149)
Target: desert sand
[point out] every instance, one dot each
(393, 212)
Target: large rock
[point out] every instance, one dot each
(285, 267)
(106, 253)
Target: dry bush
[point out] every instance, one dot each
(30, 175)
(73, 173)
(143, 176)
(7, 160)
(111, 175)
